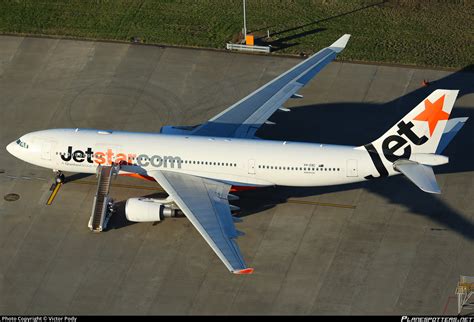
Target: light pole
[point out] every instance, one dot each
(245, 23)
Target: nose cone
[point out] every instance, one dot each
(11, 148)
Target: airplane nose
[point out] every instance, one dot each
(10, 148)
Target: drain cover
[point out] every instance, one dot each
(12, 197)
(2, 171)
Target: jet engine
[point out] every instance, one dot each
(148, 209)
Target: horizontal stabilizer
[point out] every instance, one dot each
(421, 175)
(452, 128)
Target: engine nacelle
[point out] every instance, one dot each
(147, 210)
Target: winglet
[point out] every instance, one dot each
(245, 271)
(340, 44)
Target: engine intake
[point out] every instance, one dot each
(149, 210)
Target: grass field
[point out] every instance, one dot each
(425, 32)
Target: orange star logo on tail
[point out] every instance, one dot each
(433, 113)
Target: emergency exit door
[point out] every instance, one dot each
(351, 166)
(251, 166)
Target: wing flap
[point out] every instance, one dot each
(421, 175)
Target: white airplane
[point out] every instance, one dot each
(198, 166)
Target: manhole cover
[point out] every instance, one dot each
(12, 197)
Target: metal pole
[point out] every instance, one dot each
(245, 23)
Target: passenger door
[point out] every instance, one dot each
(46, 147)
(352, 170)
(251, 166)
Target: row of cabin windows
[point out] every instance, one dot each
(224, 164)
(297, 168)
(229, 164)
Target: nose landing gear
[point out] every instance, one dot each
(59, 178)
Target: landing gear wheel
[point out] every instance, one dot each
(60, 178)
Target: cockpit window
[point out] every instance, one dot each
(22, 144)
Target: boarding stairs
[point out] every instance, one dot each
(102, 207)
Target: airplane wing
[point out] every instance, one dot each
(243, 119)
(205, 204)
(421, 175)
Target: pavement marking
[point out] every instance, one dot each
(24, 177)
(54, 193)
(324, 204)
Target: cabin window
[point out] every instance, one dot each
(22, 144)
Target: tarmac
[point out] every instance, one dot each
(379, 247)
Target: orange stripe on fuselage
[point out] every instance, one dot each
(241, 188)
(138, 176)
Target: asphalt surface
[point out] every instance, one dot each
(380, 247)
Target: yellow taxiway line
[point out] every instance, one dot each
(54, 193)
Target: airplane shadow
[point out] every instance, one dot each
(284, 42)
(76, 176)
(357, 124)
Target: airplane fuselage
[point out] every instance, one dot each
(242, 162)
